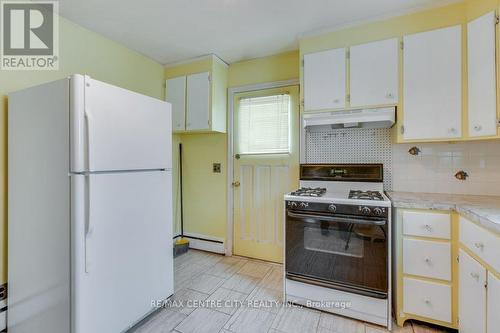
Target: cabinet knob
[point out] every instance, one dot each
(427, 301)
(479, 245)
(427, 261)
(427, 227)
(336, 101)
(452, 130)
(389, 95)
(477, 128)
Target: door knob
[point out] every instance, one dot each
(236, 184)
(237, 156)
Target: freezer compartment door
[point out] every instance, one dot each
(122, 248)
(116, 129)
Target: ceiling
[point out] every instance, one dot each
(174, 30)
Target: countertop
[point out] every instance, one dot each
(484, 210)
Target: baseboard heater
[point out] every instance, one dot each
(204, 243)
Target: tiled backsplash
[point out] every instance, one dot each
(433, 170)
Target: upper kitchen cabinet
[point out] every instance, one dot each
(432, 85)
(482, 107)
(176, 95)
(198, 102)
(325, 80)
(198, 93)
(374, 73)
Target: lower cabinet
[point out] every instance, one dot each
(472, 295)
(427, 299)
(493, 304)
(479, 280)
(425, 269)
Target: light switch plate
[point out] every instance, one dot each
(216, 168)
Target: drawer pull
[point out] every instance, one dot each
(479, 246)
(475, 276)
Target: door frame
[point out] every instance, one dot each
(230, 151)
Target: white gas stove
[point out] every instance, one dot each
(338, 241)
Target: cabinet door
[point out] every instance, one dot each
(472, 295)
(493, 308)
(481, 76)
(374, 73)
(325, 80)
(432, 103)
(198, 102)
(176, 95)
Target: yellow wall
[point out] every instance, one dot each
(81, 51)
(278, 67)
(205, 194)
(454, 14)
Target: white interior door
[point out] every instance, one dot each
(432, 103)
(121, 130)
(481, 76)
(325, 80)
(374, 78)
(176, 95)
(122, 251)
(198, 102)
(472, 295)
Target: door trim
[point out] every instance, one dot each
(230, 123)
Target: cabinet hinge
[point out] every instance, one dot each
(302, 62)
(402, 45)
(348, 54)
(349, 97)
(497, 20)
(498, 122)
(458, 258)
(302, 102)
(209, 77)
(402, 129)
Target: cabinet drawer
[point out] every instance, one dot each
(427, 258)
(427, 299)
(483, 243)
(427, 224)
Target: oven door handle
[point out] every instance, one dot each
(337, 219)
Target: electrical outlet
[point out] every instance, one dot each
(216, 168)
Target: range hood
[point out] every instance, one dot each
(362, 118)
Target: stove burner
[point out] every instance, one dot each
(366, 195)
(309, 192)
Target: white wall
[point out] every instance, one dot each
(434, 168)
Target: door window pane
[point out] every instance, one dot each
(264, 125)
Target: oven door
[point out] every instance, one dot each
(344, 252)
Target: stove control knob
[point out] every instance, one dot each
(332, 208)
(378, 211)
(365, 210)
(293, 204)
(304, 205)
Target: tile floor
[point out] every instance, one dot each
(206, 278)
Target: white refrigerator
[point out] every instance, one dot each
(89, 207)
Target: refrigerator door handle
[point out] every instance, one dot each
(88, 226)
(88, 118)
